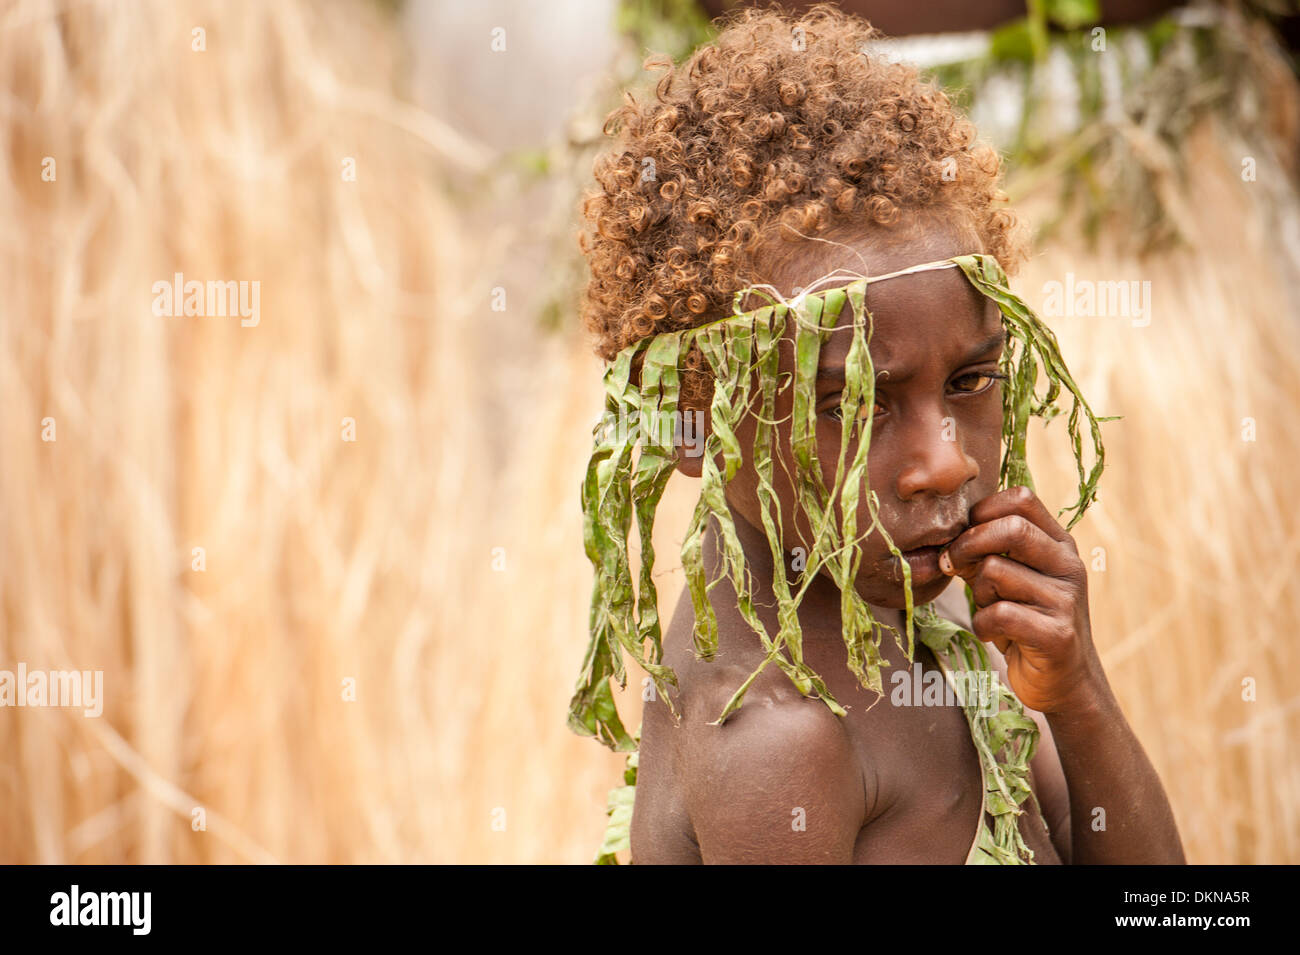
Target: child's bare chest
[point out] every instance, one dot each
(921, 773)
(923, 776)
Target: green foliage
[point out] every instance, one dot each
(619, 809)
(674, 27)
(1005, 739)
(1025, 39)
(1103, 119)
(1072, 14)
(1012, 41)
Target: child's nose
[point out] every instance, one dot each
(936, 462)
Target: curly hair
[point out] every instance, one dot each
(782, 123)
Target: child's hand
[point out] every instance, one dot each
(1031, 603)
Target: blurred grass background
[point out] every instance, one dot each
(436, 561)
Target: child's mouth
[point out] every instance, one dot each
(924, 562)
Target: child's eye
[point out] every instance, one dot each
(835, 414)
(976, 382)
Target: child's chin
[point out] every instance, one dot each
(895, 599)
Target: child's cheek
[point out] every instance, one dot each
(984, 444)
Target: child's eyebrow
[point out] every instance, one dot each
(834, 371)
(995, 341)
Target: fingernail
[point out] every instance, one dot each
(945, 563)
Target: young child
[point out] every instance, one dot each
(777, 155)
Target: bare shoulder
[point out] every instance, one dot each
(779, 782)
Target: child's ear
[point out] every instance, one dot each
(688, 441)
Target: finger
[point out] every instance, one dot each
(1019, 500)
(1001, 578)
(1007, 622)
(1002, 643)
(1015, 536)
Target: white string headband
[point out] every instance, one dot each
(872, 279)
(794, 304)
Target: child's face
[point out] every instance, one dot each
(936, 435)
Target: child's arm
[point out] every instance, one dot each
(778, 783)
(1031, 590)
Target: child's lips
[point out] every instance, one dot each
(924, 562)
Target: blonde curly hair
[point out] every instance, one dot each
(784, 125)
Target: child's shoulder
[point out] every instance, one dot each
(780, 757)
(750, 785)
(775, 721)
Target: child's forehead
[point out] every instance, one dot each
(903, 306)
(791, 266)
(934, 311)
